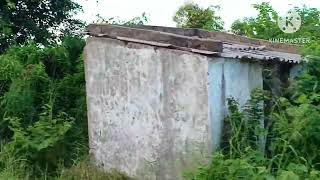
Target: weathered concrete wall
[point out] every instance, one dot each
(229, 78)
(147, 108)
(154, 112)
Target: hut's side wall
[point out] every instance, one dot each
(230, 78)
(147, 108)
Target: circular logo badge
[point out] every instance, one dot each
(290, 23)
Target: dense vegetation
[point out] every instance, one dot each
(43, 123)
(40, 21)
(43, 108)
(264, 26)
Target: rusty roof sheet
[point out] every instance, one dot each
(238, 51)
(201, 42)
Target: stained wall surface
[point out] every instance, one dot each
(153, 112)
(148, 108)
(229, 78)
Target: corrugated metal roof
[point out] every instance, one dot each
(239, 51)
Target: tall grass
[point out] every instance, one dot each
(13, 168)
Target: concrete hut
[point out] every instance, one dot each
(157, 96)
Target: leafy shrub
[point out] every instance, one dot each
(40, 143)
(42, 100)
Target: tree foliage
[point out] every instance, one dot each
(191, 15)
(37, 20)
(265, 26)
(139, 20)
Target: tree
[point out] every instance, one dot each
(136, 21)
(193, 16)
(265, 26)
(37, 20)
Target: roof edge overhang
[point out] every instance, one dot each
(226, 38)
(201, 42)
(151, 36)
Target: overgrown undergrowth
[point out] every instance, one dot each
(43, 122)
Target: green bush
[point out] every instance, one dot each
(43, 108)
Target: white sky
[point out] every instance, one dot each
(160, 12)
